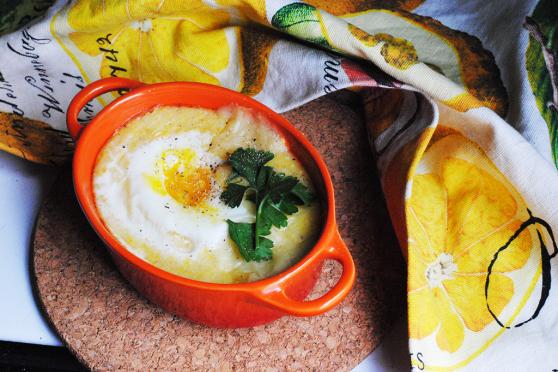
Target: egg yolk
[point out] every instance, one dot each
(180, 178)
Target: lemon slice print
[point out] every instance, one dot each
(153, 41)
(460, 212)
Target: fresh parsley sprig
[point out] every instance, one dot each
(275, 195)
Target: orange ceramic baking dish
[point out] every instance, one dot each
(218, 305)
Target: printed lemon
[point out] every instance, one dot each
(455, 54)
(460, 212)
(396, 51)
(153, 41)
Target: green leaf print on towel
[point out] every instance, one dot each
(301, 20)
(541, 64)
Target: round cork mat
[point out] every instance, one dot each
(108, 325)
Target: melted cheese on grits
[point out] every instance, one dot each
(157, 184)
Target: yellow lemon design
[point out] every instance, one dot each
(455, 54)
(153, 41)
(397, 52)
(460, 212)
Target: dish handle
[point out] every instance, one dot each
(89, 93)
(336, 250)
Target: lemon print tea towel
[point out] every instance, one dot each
(461, 109)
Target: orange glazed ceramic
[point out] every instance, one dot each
(217, 305)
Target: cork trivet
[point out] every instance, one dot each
(108, 325)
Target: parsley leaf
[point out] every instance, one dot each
(234, 194)
(288, 205)
(275, 195)
(243, 235)
(247, 162)
(271, 214)
(303, 194)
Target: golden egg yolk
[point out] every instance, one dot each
(180, 178)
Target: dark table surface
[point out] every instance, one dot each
(16, 356)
